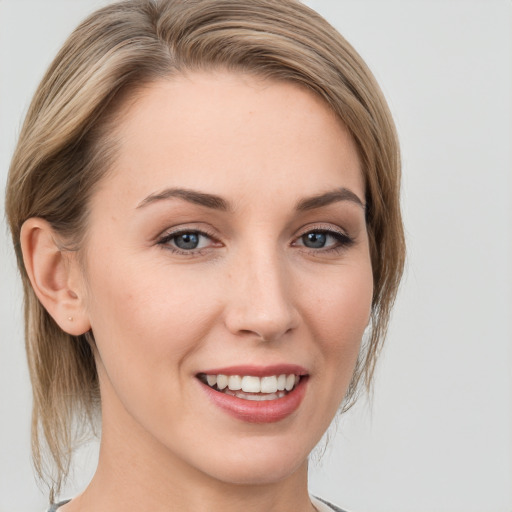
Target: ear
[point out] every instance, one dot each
(55, 276)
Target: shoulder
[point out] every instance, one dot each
(55, 506)
(325, 506)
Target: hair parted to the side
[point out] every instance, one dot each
(64, 149)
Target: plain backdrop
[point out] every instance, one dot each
(438, 435)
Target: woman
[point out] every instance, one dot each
(204, 202)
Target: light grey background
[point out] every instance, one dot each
(438, 436)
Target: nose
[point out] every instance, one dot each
(261, 302)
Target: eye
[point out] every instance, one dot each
(186, 241)
(315, 239)
(324, 239)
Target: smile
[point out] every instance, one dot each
(256, 394)
(250, 387)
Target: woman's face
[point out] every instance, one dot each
(227, 248)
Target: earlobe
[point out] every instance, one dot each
(53, 274)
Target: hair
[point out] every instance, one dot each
(65, 148)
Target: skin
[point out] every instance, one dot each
(252, 293)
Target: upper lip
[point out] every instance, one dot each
(257, 371)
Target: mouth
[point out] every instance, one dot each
(256, 394)
(251, 387)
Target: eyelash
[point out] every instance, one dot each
(343, 241)
(165, 240)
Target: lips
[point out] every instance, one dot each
(256, 394)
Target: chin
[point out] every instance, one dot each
(257, 466)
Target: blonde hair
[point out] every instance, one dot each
(64, 149)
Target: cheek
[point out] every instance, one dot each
(147, 320)
(342, 306)
(150, 312)
(339, 316)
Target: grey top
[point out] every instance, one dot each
(55, 506)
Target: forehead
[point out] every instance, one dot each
(227, 130)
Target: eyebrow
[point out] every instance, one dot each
(216, 202)
(192, 196)
(342, 194)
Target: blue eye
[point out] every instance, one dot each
(315, 239)
(186, 241)
(322, 239)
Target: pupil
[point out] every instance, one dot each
(187, 241)
(314, 240)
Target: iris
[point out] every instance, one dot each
(315, 239)
(187, 240)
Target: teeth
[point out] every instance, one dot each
(211, 379)
(256, 398)
(269, 384)
(270, 387)
(235, 382)
(222, 381)
(251, 384)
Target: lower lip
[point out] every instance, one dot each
(267, 411)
